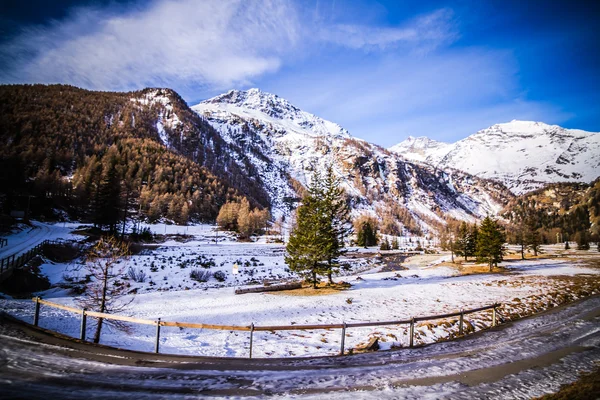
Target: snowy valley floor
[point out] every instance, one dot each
(517, 360)
(428, 286)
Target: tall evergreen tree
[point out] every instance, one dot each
(532, 236)
(366, 231)
(322, 225)
(307, 247)
(107, 207)
(472, 241)
(336, 219)
(462, 244)
(490, 242)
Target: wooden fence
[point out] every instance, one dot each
(253, 328)
(12, 262)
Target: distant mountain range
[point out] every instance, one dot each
(286, 144)
(524, 155)
(256, 144)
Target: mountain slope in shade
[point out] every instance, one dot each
(524, 155)
(286, 144)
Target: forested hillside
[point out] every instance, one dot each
(68, 149)
(569, 210)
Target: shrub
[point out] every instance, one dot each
(200, 275)
(137, 275)
(220, 276)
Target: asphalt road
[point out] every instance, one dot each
(522, 359)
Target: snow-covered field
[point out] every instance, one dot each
(428, 286)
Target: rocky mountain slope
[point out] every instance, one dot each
(286, 144)
(524, 155)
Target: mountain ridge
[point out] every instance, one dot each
(524, 155)
(286, 151)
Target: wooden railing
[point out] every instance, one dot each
(253, 328)
(12, 262)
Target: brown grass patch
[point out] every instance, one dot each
(587, 387)
(323, 289)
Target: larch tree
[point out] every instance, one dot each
(105, 291)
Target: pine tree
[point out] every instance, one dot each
(385, 244)
(582, 240)
(532, 236)
(490, 242)
(108, 198)
(567, 247)
(520, 240)
(462, 244)
(472, 241)
(395, 244)
(366, 231)
(307, 245)
(322, 225)
(336, 219)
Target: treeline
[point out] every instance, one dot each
(556, 213)
(484, 242)
(60, 142)
(238, 216)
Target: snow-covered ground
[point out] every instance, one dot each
(428, 286)
(27, 237)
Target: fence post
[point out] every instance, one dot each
(251, 335)
(36, 315)
(343, 338)
(494, 316)
(156, 345)
(460, 324)
(83, 325)
(412, 331)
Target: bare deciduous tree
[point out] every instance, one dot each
(105, 291)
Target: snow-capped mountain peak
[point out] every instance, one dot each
(285, 145)
(419, 147)
(263, 106)
(524, 155)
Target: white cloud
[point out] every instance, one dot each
(423, 33)
(446, 95)
(211, 43)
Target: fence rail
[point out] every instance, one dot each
(253, 328)
(12, 262)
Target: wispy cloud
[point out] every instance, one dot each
(422, 33)
(447, 95)
(212, 43)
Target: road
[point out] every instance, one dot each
(26, 239)
(522, 359)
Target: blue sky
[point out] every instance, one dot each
(383, 70)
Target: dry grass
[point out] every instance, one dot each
(323, 289)
(587, 387)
